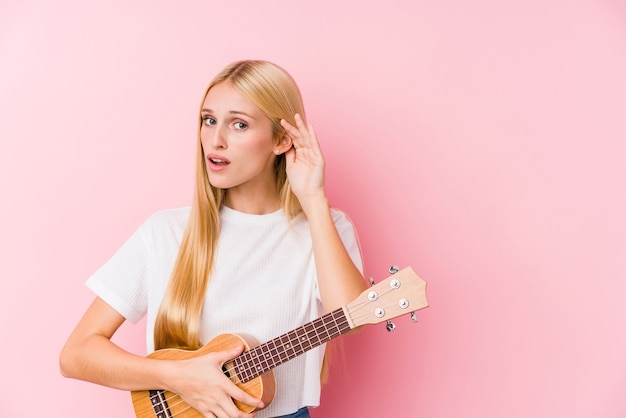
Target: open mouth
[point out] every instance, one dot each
(218, 161)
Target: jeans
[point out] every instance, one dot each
(300, 413)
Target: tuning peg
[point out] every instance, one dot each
(394, 269)
(390, 325)
(413, 316)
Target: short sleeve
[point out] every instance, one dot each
(349, 237)
(121, 281)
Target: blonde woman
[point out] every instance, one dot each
(259, 252)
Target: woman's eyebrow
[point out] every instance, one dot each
(238, 112)
(232, 112)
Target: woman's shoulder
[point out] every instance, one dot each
(171, 214)
(167, 219)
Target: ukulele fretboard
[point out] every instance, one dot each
(275, 352)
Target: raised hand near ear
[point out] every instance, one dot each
(305, 163)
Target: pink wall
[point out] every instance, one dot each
(480, 142)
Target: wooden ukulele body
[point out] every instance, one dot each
(262, 387)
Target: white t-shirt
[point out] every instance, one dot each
(263, 284)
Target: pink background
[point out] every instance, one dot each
(480, 142)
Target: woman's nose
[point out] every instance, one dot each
(218, 139)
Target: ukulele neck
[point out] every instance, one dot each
(266, 356)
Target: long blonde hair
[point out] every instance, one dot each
(277, 95)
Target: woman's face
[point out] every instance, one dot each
(237, 143)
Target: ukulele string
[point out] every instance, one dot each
(181, 411)
(230, 372)
(249, 363)
(356, 314)
(186, 406)
(167, 401)
(359, 317)
(358, 305)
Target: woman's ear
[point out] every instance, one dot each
(283, 144)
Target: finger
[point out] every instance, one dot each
(291, 130)
(306, 131)
(237, 393)
(300, 129)
(231, 353)
(222, 406)
(299, 122)
(226, 409)
(219, 412)
(314, 143)
(302, 136)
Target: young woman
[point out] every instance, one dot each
(259, 252)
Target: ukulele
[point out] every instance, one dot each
(402, 293)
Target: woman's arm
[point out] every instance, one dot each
(339, 279)
(90, 355)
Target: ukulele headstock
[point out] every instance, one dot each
(404, 292)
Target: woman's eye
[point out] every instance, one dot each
(209, 120)
(240, 126)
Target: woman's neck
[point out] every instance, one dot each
(254, 204)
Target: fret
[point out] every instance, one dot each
(240, 367)
(305, 337)
(323, 332)
(240, 371)
(314, 332)
(296, 348)
(275, 352)
(262, 366)
(287, 345)
(332, 329)
(159, 404)
(336, 324)
(343, 325)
